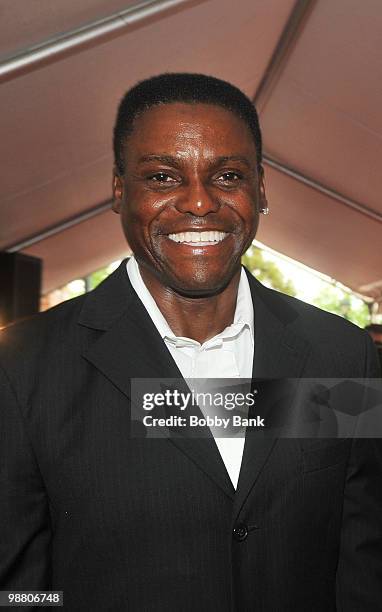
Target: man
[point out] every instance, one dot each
(375, 331)
(120, 522)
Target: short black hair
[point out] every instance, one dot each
(181, 87)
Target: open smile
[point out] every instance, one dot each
(198, 239)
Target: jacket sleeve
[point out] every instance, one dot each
(359, 572)
(24, 510)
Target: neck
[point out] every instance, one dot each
(199, 318)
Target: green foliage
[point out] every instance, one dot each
(95, 278)
(266, 272)
(335, 300)
(330, 298)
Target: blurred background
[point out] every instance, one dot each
(313, 69)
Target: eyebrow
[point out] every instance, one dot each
(164, 159)
(177, 161)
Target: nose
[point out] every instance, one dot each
(197, 200)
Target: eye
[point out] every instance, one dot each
(229, 177)
(161, 178)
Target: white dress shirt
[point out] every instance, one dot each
(226, 355)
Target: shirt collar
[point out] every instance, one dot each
(243, 317)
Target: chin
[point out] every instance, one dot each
(201, 286)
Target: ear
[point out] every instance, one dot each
(263, 203)
(117, 191)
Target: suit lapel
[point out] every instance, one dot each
(131, 347)
(279, 353)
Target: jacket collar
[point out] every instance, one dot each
(279, 350)
(103, 306)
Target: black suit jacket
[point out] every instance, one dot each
(120, 523)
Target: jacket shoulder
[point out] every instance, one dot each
(337, 344)
(313, 315)
(297, 313)
(28, 338)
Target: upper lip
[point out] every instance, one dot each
(197, 229)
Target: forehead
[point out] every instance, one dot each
(179, 125)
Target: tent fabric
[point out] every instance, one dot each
(320, 116)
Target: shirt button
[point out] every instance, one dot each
(240, 532)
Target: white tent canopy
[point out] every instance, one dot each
(312, 67)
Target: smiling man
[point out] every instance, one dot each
(189, 188)
(120, 522)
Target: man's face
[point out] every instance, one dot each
(190, 196)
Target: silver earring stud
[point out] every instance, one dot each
(265, 210)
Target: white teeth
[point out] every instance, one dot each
(200, 238)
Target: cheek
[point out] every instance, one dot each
(140, 225)
(133, 227)
(250, 224)
(146, 208)
(135, 218)
(249, 216)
